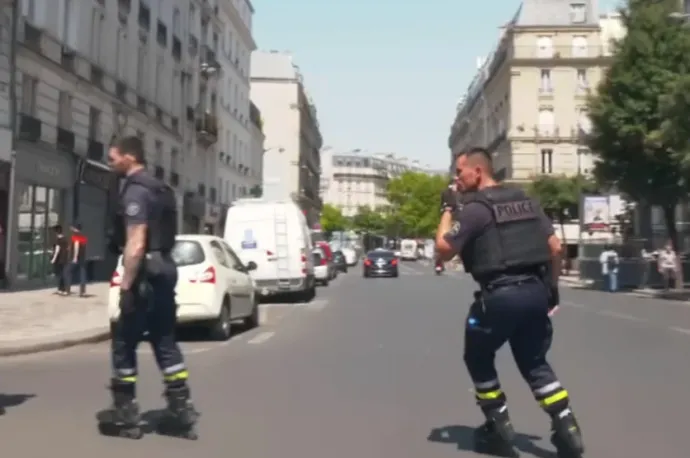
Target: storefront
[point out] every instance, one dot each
(193, 213)
(44, 180)
(91, 207)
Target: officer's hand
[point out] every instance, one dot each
(553, 311)
(127, 301)
(554, 297)
(449, 199)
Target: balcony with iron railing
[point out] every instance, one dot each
(207, 129)
(209, 62)
(558, 53)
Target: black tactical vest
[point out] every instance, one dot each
(162, 226)
(514, 242)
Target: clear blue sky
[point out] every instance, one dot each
(385, 75)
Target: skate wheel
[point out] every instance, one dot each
(135, 434)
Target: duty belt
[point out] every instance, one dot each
(490, 287)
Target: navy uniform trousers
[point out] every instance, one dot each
(515, 312)
(155, 312)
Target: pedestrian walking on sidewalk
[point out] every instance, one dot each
(60, 259)
(77, 271)
(667, 265)
(609, 261)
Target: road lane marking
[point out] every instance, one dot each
(681, 330)
(623, 316)
(261, 338)
(574, 304)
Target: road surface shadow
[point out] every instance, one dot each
(13, 400)
(462, 436)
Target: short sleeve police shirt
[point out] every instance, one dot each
(472, 221)
(136, 201)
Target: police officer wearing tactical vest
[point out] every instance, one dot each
(508, 245)
(144, 226)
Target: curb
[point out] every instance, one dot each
(60, 342)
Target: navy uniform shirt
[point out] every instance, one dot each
(138, 203)
(473, 220)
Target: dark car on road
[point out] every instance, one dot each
(340, 261)
(380, 263)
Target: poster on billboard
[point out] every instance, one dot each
(597, 213)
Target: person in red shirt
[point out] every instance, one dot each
(78, 255)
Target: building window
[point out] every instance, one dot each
(40, 209)
(547, 161)
(121, 54)
(141, 69)
(174, 160)
(578, 13)
(29, 92)
(544, 47)
(547, 121)
(546, 86)
(65, 110)
(65, 29)
(584, 124)
(97, 29)
(30, 10)
(94, 124)
(158, 151)
(580, 46)
(582, 83)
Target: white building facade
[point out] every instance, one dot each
(236, 167)
(89, 70)
(354, 179)
(292, 163)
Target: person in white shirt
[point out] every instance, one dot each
(609, 268)
(667, 265)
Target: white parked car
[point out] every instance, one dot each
(213, 286)
(321, 271)
(350, 256)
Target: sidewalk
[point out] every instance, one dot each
(38, 320)
(573, 281)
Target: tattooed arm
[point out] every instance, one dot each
(136, 203)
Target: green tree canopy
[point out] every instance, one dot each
(256, 191)
(627, 111)
(559, 195)
(415, 199)
(332, 219)
(368, 220)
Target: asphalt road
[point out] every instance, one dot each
(373, 369)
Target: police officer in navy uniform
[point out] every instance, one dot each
(143, 229)
(508, 245)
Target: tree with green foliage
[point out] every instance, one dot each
(559, 196)
(256, 191)
(332, 219)
(629, 136)
(415, 199)
(368, 220)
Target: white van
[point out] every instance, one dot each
(274, 235)
(408, 250)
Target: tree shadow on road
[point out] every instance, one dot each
(462, 436)
(13, 400)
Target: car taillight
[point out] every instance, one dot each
(207, 276)
(323, 262)
(394, 262)
(115, 280)
(367, 262)
(304, 259)
(269, 253)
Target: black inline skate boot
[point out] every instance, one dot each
(496, 436)
(180, 417)
(566, 435)
(123, 418)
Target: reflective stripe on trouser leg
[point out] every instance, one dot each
(553, 398)
(175, 373)
(125, 375)
(489, 395)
